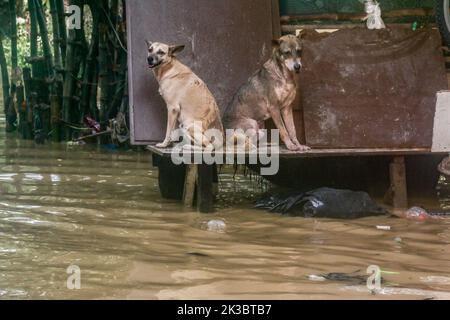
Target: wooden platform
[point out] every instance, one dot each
(317, 153)
(199, 185)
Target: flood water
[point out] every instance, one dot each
(101, 211)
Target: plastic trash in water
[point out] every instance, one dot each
(373, 18)
(323, 203)
(218, 226)
(417, 214)
(316, 278)
(76, 143)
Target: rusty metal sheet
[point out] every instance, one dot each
(226, 41)
(371, 89)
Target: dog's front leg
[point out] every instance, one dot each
(288, 117)
(172, 119)
(275, 113)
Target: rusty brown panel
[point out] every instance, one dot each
(226, 42)
(371, 89)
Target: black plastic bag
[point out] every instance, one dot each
(323, 203)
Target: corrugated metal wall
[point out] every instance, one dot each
(349, 6)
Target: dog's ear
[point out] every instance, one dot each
(149, 43)
(173, 50)
(276, 43)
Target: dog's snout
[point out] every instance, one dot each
(298, 66)
(150, 60)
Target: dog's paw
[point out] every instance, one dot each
(303, 148)
(292, 147)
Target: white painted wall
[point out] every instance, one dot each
(441, 133)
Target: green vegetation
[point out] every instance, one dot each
(54, 78)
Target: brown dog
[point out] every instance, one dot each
(189, 101)
(270, 93)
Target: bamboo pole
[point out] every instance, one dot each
(28, 126)
(13, 35)
(5, 77)
(71, 71)
(33, 33)
(62, 29)
(45, 40)
(105, 64)
(56, 35)
(93, 105)
(48, 122)
(11, 114)
(120, 61)
(55, 100)
(89, 81)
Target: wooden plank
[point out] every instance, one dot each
(276, 24)
(190, 185)
(205, 196)
(295, 28)
(398, 183)
(315, 153)
(416, 12)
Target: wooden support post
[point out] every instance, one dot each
(205, 197)
(398, 183)
(190, 185)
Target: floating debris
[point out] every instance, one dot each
(417, 214)
(349, 278)
(197, 254)
(218, 226)
(398, 239)
(316, 278)
(323, 203)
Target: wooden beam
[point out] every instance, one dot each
(276, 24)
(294, 28)
(415, 12)
(190, 185)
(320, 152)
(205, 196)
(398, 183)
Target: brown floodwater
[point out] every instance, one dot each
(101, 211)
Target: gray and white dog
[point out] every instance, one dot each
(270, 93)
